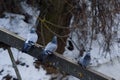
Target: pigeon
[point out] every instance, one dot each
(51, 46)
(31, 40)
(85, 61)
(49, 49)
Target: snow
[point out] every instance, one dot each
(31, 70)
(110, 69)
(32, 11)
(72, 55)
(104, 65)
(26, 72)
(16, 24)
(99, 62)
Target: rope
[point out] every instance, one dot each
(54, 25)
(54, 32)
(62, 27)
(42, 35)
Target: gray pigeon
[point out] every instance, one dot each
(51, 46)
(85, 61)
(49, 49)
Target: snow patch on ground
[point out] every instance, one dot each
(27, 72)
(108, 65)
(15, 23)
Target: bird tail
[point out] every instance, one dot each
(42, 57)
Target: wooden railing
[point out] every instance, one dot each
(57, 60)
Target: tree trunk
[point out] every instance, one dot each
(56, 12)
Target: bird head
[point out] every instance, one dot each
(33, 30)
(54, 40)
(87, 56)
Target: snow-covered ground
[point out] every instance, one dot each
(27, 72)
(100, 63)
(108, 65)
(16, 24)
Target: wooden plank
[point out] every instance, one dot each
(59, 61)
(14, 64)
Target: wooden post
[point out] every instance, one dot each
(14, 64)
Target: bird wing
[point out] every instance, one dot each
(51, 47)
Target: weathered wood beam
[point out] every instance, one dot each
(59, 61)
(14, 64)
